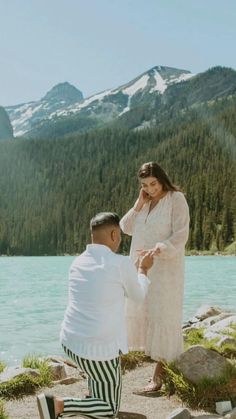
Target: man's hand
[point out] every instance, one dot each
(145, 262)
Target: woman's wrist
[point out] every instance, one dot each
(137, 206)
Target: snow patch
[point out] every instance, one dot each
(182, 77)
(160, 84)
(140, 84)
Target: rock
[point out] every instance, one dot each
(222, 339)
(211, 335)
(180, 413)
(13, 372)
(58, 370)
(214, 319)
(63, 360)
(198, 362)
(223, 407)
(66, 381)
(223, 324)
(231, 415)
(206, 311)
(208, 417)
(190, 322)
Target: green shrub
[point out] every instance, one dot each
(194, 337)
(32, 361)
(19, 386)
(2, 410)
(26, 384)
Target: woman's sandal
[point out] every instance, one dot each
(151, 390)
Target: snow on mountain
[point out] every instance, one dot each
(24, 116)
(160, 85)
(140, 84)
(64, 99)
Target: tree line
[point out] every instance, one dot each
(50, 188)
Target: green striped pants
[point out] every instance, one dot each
(104, 382)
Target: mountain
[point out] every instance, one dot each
(50, 189)
(6, 130)
(25, 116)
(64, 100)
(147, 100)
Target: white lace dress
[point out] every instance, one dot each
(156, 325)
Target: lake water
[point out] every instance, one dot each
(33, 297)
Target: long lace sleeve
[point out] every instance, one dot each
(127, 222)
(180, 228)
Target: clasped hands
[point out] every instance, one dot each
(145, 257)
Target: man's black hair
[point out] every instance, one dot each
(104, 219)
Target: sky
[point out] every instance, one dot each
(101, 44)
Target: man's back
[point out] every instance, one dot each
(94, 321)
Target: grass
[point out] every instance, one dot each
(193, 337)
(26, 384)
(3, 414)
(34, 362)
(206, 392)
(196, 337)
(203, 395)
(231, 331)
(2, 366)
(133, 359)
(231, 249)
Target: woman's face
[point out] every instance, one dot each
(151, 186)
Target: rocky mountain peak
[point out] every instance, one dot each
(168, 72)
(64, 92)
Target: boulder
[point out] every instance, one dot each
(223, 407)
(206, 311)
(198, 362)
(205, 315)
(58, 370)
(214, 319)
(13, 372)
(223, 325)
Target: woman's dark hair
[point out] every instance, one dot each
(154, 170)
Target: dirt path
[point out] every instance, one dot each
(150, 408)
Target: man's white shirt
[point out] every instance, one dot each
(94, 324)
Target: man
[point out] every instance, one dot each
(93, 332)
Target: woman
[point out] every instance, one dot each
(159, 221)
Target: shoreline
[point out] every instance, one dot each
(187, 253)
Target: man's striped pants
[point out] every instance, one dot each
(104, 382)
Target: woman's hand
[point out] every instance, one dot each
(155, 251)
(142, 199)
(158, 249)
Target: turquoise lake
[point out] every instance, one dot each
(33, 297)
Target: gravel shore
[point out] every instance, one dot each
(137, 406)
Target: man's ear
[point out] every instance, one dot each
(113, 235)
